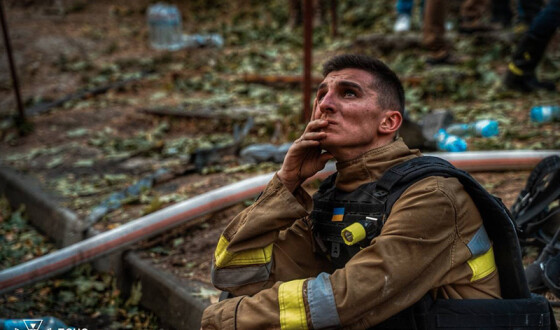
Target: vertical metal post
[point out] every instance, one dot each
(15, 81)
(307, 47)
(334, 31)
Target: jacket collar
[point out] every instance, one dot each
(369, 166)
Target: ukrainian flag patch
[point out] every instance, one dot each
(338, 214)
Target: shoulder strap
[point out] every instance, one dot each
(398, 178)
(496, 217)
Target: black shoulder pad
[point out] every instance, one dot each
(398, 178)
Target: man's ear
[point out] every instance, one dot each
(391, 122)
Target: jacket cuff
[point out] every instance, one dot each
(220, 315)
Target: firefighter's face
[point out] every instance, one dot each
(347, 100)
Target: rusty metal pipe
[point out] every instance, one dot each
(334, 23)
(307, 50)
(13, 72)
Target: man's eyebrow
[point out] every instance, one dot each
(346, 83)
(343, 83)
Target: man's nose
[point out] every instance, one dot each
(327, 103)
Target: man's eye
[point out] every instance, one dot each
(349, 93)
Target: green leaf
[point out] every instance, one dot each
(178, 241)
(84, 163)
(56, 161)
(160, 250)
(135, 294)
(79, 132)
(158, 96)
(155, 205)
(66, 296)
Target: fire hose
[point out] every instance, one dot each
(153, 224)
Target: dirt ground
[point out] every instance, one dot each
(91, 147)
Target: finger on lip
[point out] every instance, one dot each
(317, 124)
(321, 121)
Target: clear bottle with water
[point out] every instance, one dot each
(258, 153)
(484, 128)
(165, 27)
(203, 40)
(545, 113)
(448, 142)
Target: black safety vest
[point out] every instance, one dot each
(334, 210)
(370, 205)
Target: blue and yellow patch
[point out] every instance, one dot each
(338, 214)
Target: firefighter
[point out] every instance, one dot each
(279, 258)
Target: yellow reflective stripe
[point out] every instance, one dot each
(292, 308)
(515, 70)
(482, 265)
(225, 258)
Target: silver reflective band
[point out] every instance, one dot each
(230, 277)
(480, 243)
(321, 302)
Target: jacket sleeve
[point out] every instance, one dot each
(414, 251)
(269, 241)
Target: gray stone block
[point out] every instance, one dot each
(59, 223)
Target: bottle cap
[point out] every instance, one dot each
(487, 128)
(455, 144)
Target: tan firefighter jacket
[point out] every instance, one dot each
(268, 258)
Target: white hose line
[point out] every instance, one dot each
(150, 225)
(155, 223)
(495, 160)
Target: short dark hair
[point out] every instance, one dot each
(390, 90)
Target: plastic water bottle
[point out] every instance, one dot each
(281, 152)
(451, 143)
(545, 113)
(258, 153)
(165, 29)
(484, 128)
(203, 40)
